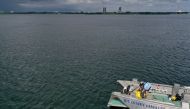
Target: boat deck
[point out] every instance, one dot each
(116, 103)
(165, 99)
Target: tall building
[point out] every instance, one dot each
(104, 9)
(120, 9)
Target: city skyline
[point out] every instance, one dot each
(96, 5)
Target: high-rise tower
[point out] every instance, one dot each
(119, 9)
(104, 9)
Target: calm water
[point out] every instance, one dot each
(73, 61)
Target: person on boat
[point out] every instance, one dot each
(138, 94)
(177, 97)
(144, 87)
(141, 85)
(139, 91)
(147, 87)
(128, 89)
(124, 90)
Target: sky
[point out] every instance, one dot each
(95, 5)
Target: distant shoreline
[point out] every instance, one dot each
(99, 13)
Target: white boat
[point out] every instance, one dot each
(159, 96)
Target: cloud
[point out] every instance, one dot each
(37, 3)
(65, 2)
(79, 1)
(96, 5)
